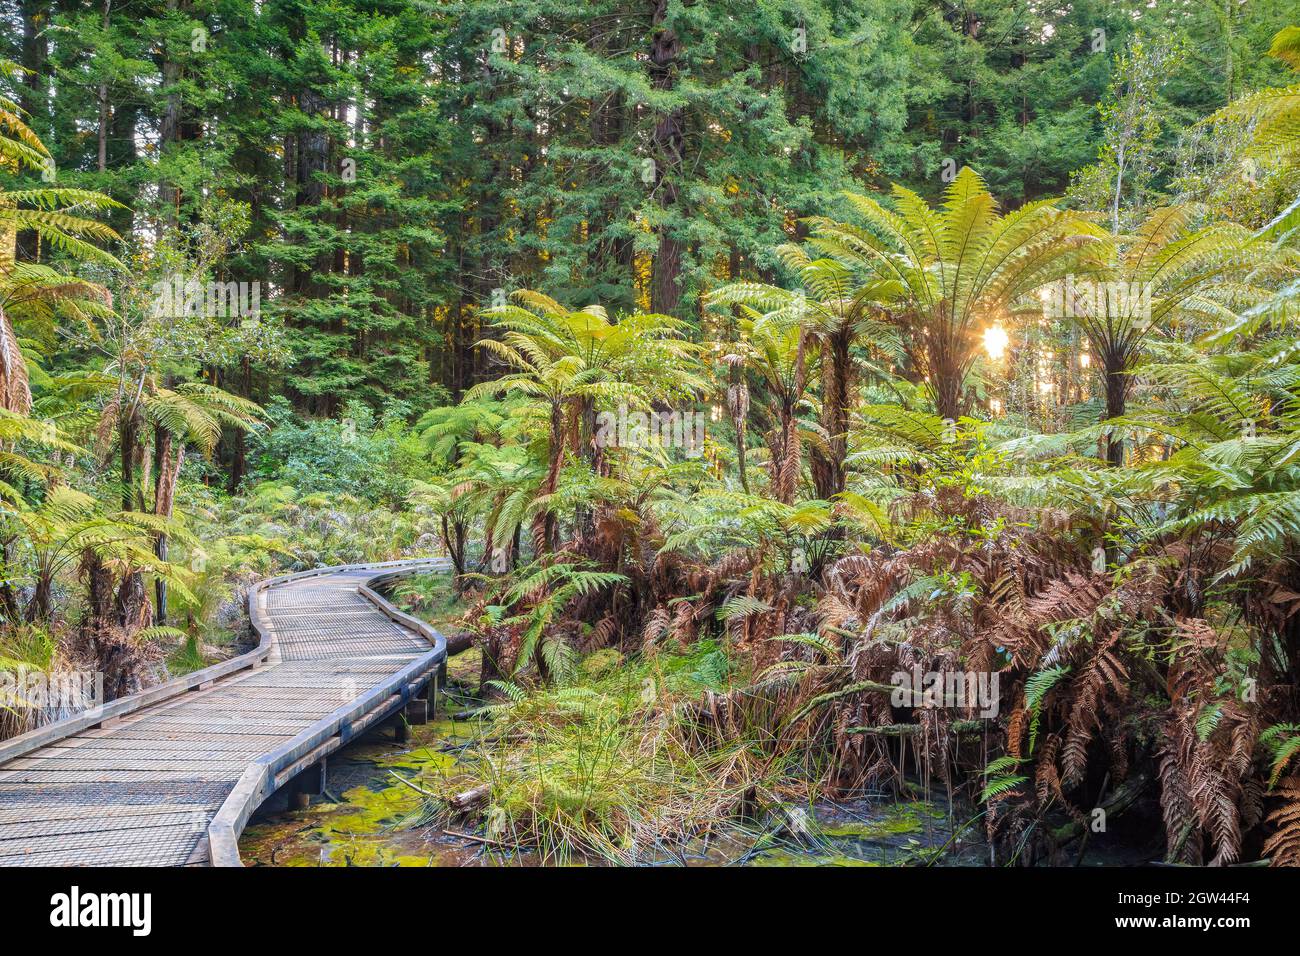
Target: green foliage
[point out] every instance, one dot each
(356, 456)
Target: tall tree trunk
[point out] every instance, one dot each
(129, 613)
(239, 456)
(487, 262)
(787, 454)
(169, 129)
(41, 605)
(102, 97)
(99, 592)
(33, 94)
(667, 143)
(122, 153)
(545, 525)
(132, 456)
(167, 469)
(34, 97)
(1229, 70)
(787, 457)
(313, 159)
(612, 260)
(16, 397)
(458, 349)
(947, 379)
(738, 407)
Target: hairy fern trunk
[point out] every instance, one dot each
(1116, 403)
(837, 390)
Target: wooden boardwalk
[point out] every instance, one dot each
(169, 777)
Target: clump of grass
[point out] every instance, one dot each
(432, 597)
(188, 657)
(26, 649)
(27, 646)
(617, 766)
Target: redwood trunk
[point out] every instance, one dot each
(667, 144)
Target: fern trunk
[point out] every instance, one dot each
(948, 396)
(167, 469)
(1116, 404)
(837, 390)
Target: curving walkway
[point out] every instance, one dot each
(170, 776)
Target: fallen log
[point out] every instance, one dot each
(962, 727)
(1123, 797)
(469, 799)
(459, 643)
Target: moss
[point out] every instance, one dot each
(360, 831)
(463, 669)
(791, 858)
(370, 811)
(898, 819)
(600, 663)
(370, 827)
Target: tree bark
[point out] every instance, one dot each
(667, 144)
(102, 96)
(837, 392)
(42, 603)
(167, 470)
(946, 379)
(33, 93)
(169, 129)
(545, 526)
(34, 98)
(131, 455)
(1116, 403)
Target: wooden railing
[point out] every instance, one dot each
(270, 771)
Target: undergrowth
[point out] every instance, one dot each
(616, 764)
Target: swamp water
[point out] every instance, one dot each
(373, 814)
(370, 817)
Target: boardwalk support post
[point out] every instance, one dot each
(425, 707)
(310, 783)
(417, 711)
(436, 682)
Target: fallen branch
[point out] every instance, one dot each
(963, 727)
(419, 790)
(478, 839)
(842, 692)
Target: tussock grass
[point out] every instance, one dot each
(616, 766)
